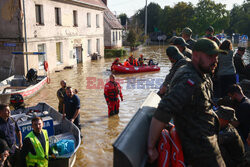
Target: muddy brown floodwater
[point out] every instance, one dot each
(99, 132)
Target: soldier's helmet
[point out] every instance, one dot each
(180, 41)
(210, 29)
(171, 40)
(174, 53)
(187, 31)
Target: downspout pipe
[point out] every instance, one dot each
(25, 36)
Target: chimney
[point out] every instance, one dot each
(105, 2)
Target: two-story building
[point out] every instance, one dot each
(68, 31)
(112, 29)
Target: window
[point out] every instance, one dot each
(116, 37)
(41, 58)
(88, 20)
(97, 21)
(58, 16)
(59, 52)
(119, 35)
(98, 46)
(89, 46)
(75, 18)
(113, 36)
(39, 15)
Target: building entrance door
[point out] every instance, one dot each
(78, 51)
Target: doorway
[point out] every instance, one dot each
(78, 51)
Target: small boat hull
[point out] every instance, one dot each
(134, 69)
(130, 148)
(62, 129)
(18, 84)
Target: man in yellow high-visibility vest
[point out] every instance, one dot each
(36, 145)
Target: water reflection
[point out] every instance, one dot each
(99, 131)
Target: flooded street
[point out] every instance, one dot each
(99, 132)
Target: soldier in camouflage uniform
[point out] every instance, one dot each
(177, 59)
(230, 143)
(189, 103)
(61, 93)
(180, 43)
(210, 35)
(186, 35)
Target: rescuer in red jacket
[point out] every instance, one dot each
(112, 90)
(116, 62)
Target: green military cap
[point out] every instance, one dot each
(210, 29)
(171, 40)
(226, 113)
(174, 53)
(207, 46)
(5, 99)
(187, 31)
(180, 41)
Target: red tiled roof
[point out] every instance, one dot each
(108, 15)
(98, 3)
(110, 18)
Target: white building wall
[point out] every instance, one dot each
(70, 36)
(116, 42)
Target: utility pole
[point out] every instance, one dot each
(146, 18)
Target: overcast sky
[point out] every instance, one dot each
(131, 6)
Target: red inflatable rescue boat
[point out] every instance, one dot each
(134, 69)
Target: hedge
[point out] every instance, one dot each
(114, 53)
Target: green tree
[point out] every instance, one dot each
(132, 38)
(124, 18)
(181, 16)
(154, 15)
(165, 21)
(240, 19)
(208, 13)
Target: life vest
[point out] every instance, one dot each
(170, 150)
(130, 60)
(126, 64)
(111, 91)
(41, 157)
(135, 62)
(177, 159)
(141, 61)
(164, 149)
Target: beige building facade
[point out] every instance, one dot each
(112, 30)
(67, 31)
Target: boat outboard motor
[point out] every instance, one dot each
(16, 100)
(31, 75)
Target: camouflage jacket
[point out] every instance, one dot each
(61, 93)
(174, 68)
(231, 146)
(190, 43)
(189, 103)
(188, 53)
